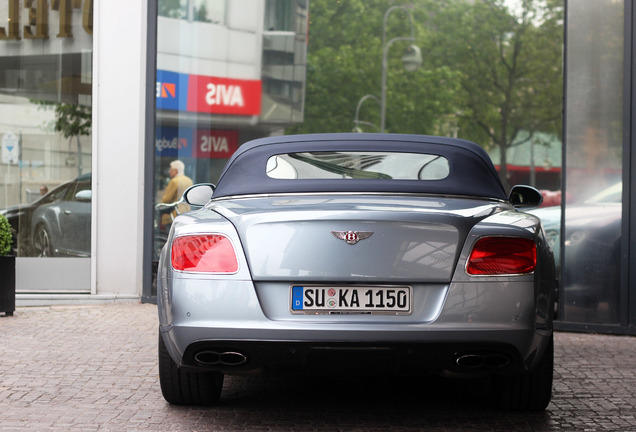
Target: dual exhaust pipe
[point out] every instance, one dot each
(224, 358)
(466, 361)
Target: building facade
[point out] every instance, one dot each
(98, 98)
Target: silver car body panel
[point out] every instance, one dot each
(412, 241)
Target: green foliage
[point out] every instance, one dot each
(70, 119)
(488, 73)
(5, 236)
(345, 63)
(172, 9)
(510, 66)
(73, 120)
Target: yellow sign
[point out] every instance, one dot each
(36, 25)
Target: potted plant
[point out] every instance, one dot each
(7, 268)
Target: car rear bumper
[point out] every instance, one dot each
(213, 334)
(225, 326)
(352, 359)
(350, 354)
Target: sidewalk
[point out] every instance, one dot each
(94, 367)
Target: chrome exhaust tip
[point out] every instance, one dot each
(483, 361)
(215, 358)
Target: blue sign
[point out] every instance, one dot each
(173, 142)
(172, 90)
(297, 298)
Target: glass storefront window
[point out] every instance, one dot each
(209, 11)
(492, 72)
(227, 72)
(212, 11)
(279, 16)
(45, 171)
(594, 136)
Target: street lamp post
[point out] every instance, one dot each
(358, 122)
(412, 58)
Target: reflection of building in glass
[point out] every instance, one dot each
(231, 70)
(227, 72)
(46, 55)
(591, 253)
(534, 160)
(45, 95)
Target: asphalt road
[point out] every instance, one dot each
(85, 368)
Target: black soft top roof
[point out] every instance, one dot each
(471, 170)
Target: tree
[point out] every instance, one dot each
(72, 120)
(511, 69)
(345, 64)
(492, 73)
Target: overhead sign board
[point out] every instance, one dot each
(206, 94)
(195, 143)
(172, 90)
(224, 95)
(44, 27)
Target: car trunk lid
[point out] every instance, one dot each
(353, 239)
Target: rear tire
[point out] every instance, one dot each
(42, 242)
(180, 387)
(531, 391)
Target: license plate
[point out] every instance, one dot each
(317, 299)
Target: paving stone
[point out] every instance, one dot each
(94, 367)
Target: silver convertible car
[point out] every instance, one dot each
(357, 255)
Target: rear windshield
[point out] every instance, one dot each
(357, 165)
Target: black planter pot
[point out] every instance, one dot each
(7, 285)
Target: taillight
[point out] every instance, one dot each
(209, 253)
(502, 256)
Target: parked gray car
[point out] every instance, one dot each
(57, 224)
(591, 273)
(359, 255)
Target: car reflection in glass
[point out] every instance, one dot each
(591, 272)
(58, 224)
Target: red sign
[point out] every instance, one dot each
(224, 95)
(214, 144)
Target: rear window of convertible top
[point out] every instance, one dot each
(357, 165)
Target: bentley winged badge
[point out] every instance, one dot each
(352, 237)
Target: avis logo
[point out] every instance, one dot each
(226, 95)
(166, 90)
(213, 144)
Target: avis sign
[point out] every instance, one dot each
(215, 144)
(224, 95)
(207, 94)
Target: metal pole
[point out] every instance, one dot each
(385, 49)
(356, 120)
(532, 166)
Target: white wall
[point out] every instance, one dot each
(118, 146)
(232, 49)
